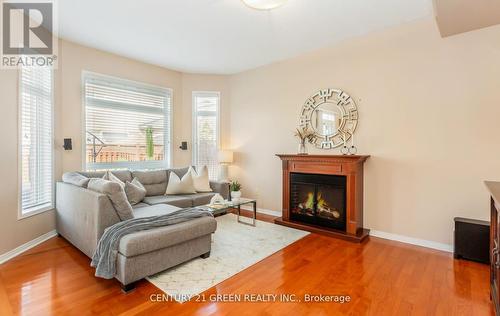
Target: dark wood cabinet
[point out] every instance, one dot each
(494, 188)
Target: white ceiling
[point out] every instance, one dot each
(225, 36)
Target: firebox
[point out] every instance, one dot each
(318, 199)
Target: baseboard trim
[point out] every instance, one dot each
(262, 210)
(377, 233)
(24, 247)
(412, 241)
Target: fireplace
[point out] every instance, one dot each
(318, 199)
(324, 194)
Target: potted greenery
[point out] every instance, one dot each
(150, 149)
(235, 188)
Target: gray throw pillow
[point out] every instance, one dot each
(116, 194)
(135, 191)
(111, 177)
(76, 179)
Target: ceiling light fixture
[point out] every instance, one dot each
(264, 4)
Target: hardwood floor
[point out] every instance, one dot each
(381, 277)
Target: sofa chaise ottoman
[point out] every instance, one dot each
(83, 214)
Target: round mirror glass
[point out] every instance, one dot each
(326, 119)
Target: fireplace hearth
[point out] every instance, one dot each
(318, 199)
(324, 194)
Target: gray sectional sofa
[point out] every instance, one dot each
(83, 214)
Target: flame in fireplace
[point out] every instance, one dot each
(321, 202)
(322, 205)
(309, 203)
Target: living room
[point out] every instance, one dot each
(249, 156)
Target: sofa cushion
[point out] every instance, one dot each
(116, 194)
(162, 237)
(155, 181)
(175, 200)
(186, 200)
(135, 191)
(177, 185)
(108, 175)
(76, 179)
(139, 205)
(123, 175)
(155, 210)
(201, 198)
(221, 187)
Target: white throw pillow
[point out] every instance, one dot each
(200, 180)
(111, 177)
(180, 186)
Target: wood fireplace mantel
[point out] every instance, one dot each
(350, 166)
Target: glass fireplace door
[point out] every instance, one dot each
(318, 199)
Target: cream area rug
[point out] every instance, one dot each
(235, 247)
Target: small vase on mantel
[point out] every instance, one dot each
(302, 149)
(303, 134)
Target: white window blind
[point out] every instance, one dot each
(36, 139)
(128, 124)
(206, 131)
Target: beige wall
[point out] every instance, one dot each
(195, 82)
(429, 110)
(75, 59)
(15, 232)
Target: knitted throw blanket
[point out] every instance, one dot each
(104, 258)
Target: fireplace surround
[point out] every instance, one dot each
(324, 194)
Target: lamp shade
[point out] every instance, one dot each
(225, 156)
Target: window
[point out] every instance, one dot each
(206, 131)
(128, 124)
(35, 140)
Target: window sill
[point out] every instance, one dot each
(34, 212)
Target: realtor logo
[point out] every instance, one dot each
(28, 34)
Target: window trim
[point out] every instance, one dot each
(194, 124)
(48, 206)
(166, 163)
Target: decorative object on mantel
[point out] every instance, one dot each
(303, 135)
(324, 194)
(235, 188)
(348, 150)
(333, 116)
(344, 150)
(353, 150)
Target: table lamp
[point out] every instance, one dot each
(225, 158)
